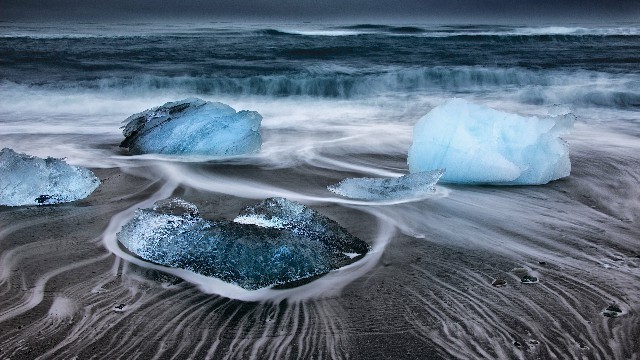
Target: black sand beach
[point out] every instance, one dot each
(429, 295)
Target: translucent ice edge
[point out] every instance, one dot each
(404, 187)
(30, 180)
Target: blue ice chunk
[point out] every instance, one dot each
(403, 187)
(480, 145)
(193, 127)
(304, 244)
(30, 180)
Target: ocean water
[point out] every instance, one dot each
(340, 101)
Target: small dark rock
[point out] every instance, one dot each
(614, 307)
(517, 344)
(542, 262)
(499, 283)
(120, 307)
(529, 279)
(613, 310)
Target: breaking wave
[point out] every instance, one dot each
(530, 86)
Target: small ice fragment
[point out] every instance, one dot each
(407, 186)
(30, 180)
(301, 243)
(195, 127)
(480, 145)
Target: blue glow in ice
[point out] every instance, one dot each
(193, 127)
(273, 243)
(30, 180)
(480, 145)
(403, 187)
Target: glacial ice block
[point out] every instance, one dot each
(193, 127)
(250, 254)
(30, 180)
(479, 145)
(403, 187)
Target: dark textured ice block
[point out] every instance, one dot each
(250, 252)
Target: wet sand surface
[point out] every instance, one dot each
(445, 279)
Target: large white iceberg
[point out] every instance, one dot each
(480, 145)
(30, 180)
(403, 187)
(275, 242)
(193, 127)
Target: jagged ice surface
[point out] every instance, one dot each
(303, 245)
(30, 180)
(193, 127)
(479, 145)
(403, 187)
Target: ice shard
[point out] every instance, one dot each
(404, 187)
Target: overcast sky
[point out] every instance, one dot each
(556, 11)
